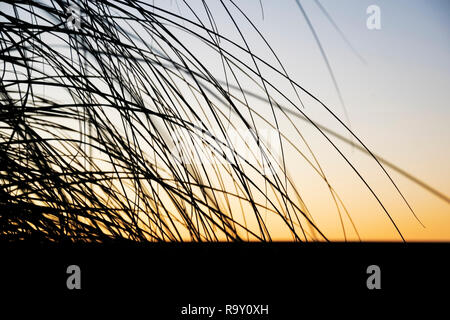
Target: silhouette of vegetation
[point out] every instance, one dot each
(130, 125)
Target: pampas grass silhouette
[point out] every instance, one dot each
(131, 124)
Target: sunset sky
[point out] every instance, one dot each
(397, 102)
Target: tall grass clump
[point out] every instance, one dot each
(121, 119)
